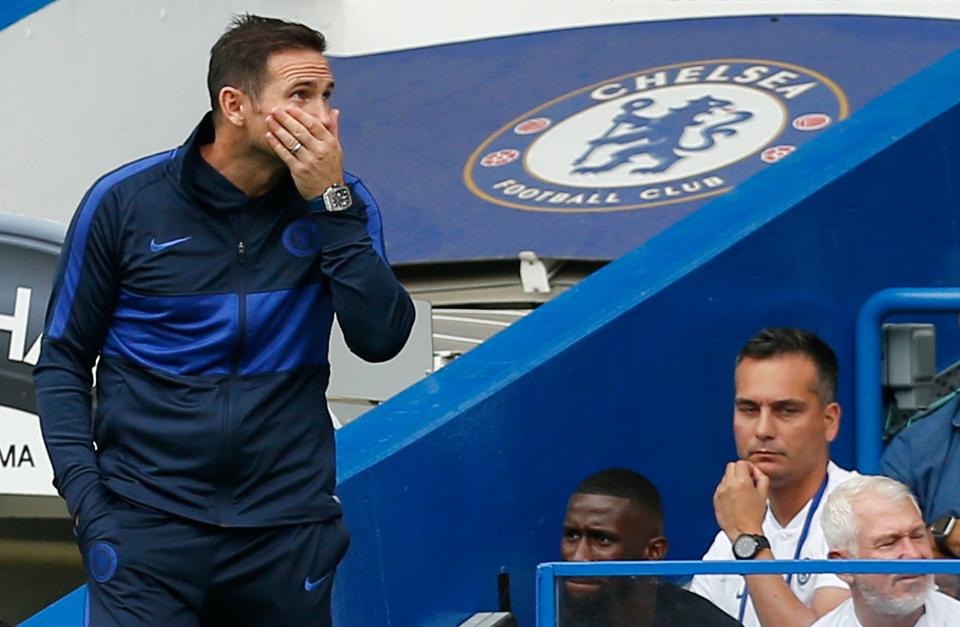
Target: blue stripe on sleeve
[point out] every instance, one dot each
(374, 221)
(78, 243)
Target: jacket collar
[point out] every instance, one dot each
(205, 184)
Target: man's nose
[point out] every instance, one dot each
(321, 109)
(582, 552)
(765, 429)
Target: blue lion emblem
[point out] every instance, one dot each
(658, 138)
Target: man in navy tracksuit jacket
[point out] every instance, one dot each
(206, 279)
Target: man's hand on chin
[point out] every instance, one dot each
(740, 501)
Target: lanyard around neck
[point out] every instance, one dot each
(814, 505)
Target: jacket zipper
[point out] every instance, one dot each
(227, 426)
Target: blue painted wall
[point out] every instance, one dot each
(466, 474)
(444, 102)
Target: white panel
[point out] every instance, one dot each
(353, 378)
(383, 25)
(24, 465)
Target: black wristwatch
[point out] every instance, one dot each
(941, 529)
(747, 545)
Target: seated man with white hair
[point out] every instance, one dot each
(878, 518)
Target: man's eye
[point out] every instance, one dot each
(571, 535)
(604, 540)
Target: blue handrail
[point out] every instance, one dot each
(867, 362)
(547, 573)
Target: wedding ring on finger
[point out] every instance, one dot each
(297, 146)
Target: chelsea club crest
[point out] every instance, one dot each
(658, 136)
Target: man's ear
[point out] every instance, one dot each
(831, 420)
(656, 548)
(836, 554)
(234, 104)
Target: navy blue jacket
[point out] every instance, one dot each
(210, 313)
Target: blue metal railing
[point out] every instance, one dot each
(867, 362)
(548, 573)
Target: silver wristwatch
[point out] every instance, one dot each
(337, 197)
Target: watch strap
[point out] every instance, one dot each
(762, 543)
(942, 528)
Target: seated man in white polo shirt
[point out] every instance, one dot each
(768, 503)
(878, 518)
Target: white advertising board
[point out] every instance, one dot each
(24, 465)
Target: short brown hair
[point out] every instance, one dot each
(239, 58)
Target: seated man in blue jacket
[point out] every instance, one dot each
(616, 514)
(926, 458)
(205, 280)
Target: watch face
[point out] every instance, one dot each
(342, 196)
(745, 547)
(941, 525)
(337, 197)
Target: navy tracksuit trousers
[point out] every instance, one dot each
(159, 570)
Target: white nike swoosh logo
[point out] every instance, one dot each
(158, 246)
